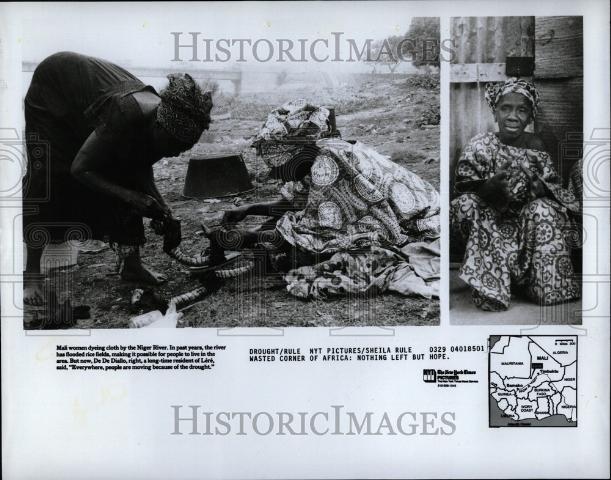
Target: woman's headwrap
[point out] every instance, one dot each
(494, 92)
(184, 110)
(291, 129)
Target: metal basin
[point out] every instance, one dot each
(216, 176)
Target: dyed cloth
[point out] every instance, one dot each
(288, 129)
(494, 92)
(356, 209)
(357, 198)
(369, 273)
(526, 247)
(294, 120)
(184, 110)
(361, 207)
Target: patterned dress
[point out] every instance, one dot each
(528, 246)
(356, 198)
(378, 222)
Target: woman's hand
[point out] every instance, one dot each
(536, 188)
(145, 205)
(169, 227)
(231, 217)
(172, 234)
(495, 190)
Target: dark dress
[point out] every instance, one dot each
(70, 96)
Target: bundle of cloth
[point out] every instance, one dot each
(375, 223)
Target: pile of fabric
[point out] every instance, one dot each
(290, 128)
(296, 119)
(357, 198)
(377, 221)
(412, 270)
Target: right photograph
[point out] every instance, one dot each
(516, 135)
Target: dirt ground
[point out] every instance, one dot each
(395, 116)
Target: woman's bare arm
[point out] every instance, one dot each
(275, 208)
(153, 191)
(96, 156)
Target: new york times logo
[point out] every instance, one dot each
(193, 420)
(429, 375)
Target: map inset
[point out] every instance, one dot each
(532, 381)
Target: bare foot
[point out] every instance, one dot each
(141, 273)
(32, 291)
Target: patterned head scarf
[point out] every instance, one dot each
(290, 130)
(494, 92)
(184, 110)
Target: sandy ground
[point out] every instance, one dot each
(395, 116)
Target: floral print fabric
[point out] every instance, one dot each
(370, 272)
(358, 198)
(526, 247)
(288, 128)
(362, 208)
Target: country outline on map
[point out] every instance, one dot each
(528, 382)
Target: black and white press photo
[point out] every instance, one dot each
(516, 170)
(248, 181)
(305, 239)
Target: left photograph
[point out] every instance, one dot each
(262, 180)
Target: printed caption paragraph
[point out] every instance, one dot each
(136, 357)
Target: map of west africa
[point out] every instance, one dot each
(533, 380)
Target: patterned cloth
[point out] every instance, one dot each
(357, 198)
(184, 110)
(294, 119)
(494, 92)
(356, 206)
(527, 246)
(370, 272)
(361, 207)
(289, 129)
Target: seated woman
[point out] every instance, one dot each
(102, 130)
(512, 216)
(338, 199)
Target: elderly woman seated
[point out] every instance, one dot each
(512, 216)
(352, 220)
